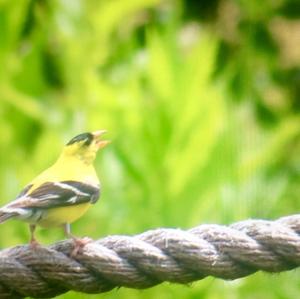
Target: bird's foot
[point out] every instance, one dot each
(34, 244)
(79, 243)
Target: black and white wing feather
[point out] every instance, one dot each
(57, 194)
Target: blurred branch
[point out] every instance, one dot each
(145, 260)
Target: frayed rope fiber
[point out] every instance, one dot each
(145, 260)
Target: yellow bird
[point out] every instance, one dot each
(62, 193)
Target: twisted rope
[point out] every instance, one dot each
(144, 260)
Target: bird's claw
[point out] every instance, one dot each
(79, 243)
(34, 244)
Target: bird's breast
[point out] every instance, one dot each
(61, 215)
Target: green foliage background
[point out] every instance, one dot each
(201, 101)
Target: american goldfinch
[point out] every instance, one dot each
(62, 193)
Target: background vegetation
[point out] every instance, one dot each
(201, 101)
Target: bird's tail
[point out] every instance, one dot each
(6, 215)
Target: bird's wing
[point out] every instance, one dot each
(25, 190)
(57, 194)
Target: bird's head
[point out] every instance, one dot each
(85, 146)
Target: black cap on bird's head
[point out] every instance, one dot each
(86, 138)
(85, 145)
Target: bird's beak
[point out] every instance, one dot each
(100, 143)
